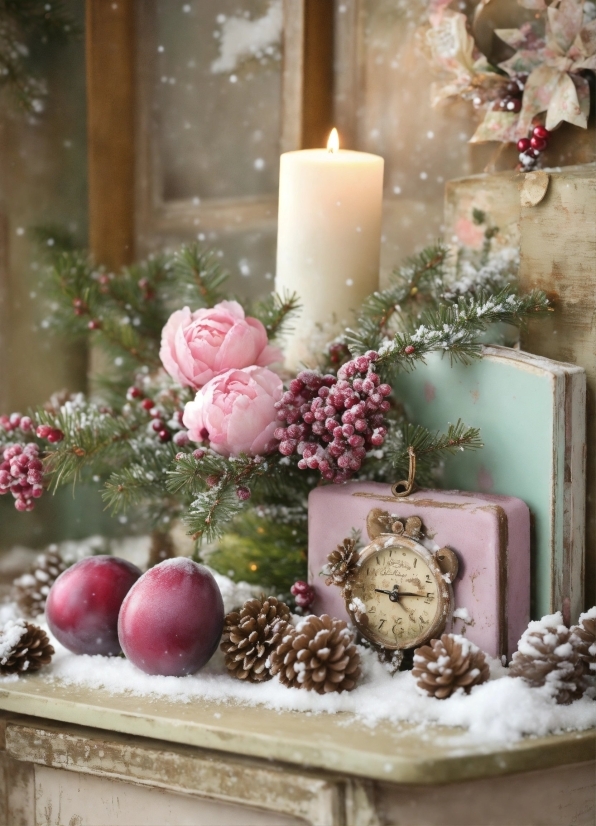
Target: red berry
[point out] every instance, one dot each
(171, 620)
(538, 144)
(243, 493)
(147, 404)
(540, 131)
(55, 435)
(83, 604)
(303, 593)
(26, 424)
(514, 105)
(181, 438)
(198, 454)
(523, 144)
(409, 349)
(134, 393)
(43, 431)
(164, 436)
(157, 425)
(94, 324)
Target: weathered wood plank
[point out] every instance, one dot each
(334, 743)
(187, 771)
(110, 117)
(558, 797)
(558, 255)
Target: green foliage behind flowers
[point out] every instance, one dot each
(249, 511)
(264, 546)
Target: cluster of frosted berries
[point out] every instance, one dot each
(21, 474)
(333, 422)
(16, 422)
(160, 427)
(530, 148)
(303, 593)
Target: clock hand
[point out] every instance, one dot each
(395, 593)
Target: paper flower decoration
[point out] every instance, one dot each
(549, 55)
(553, 63)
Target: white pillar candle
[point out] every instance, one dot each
(328, 241)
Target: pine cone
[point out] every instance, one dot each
(584, 640)
(24, 647)
(341, 564)
(546, 655)
(448, 664)
(31, 590)
(251, 634)
(319, 655)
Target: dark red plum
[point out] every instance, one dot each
(171, 620)
(84, 602)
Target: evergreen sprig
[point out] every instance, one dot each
(455, 329)
(418, 282)
(92, 439)
(199, 275)
(142, 482)
(277, 312)
(429, 445)
(22, 21)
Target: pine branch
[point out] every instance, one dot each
(458, 437)
(22, 20)
(277, 312)
(141, 482)
(90, 439)
(212, 511)
(419, 279)
(198, 276)
(213, 483)
(456, 329)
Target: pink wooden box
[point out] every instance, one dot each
(490, 534)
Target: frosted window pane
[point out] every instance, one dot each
(217, 107)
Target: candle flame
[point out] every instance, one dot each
(333, 142)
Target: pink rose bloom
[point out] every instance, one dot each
(236, 412)
(196, 346)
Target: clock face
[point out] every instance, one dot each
(399, 598)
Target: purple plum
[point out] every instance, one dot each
(84, 602)
(171, 620)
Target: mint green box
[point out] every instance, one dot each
(531, 412)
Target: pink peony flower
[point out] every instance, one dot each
(197, 346)
(236, 412)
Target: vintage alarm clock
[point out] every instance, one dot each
(397, 592)
(490, 535)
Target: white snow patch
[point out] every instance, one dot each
(500, 711)
(242, 39)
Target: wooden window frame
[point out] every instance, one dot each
(126, 212)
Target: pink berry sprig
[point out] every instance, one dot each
(158, 425)
(303, 593)
(16, 422)
(333, 422)
(21, 474)
(530, 148)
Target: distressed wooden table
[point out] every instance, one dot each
(77, 757)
